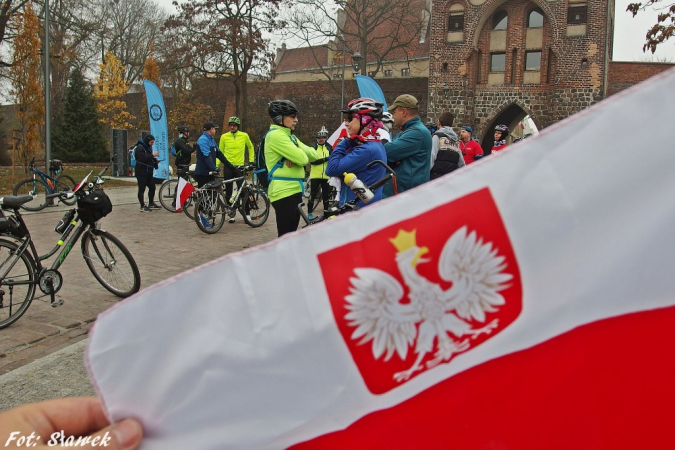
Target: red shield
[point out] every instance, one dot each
(476, 211)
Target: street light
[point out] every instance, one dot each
(356, 61)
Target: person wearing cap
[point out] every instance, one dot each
(471, 150)
(409, 153)
(146, 163)
(207, 155)
(285, 159)
(238, 149)
(317, 172)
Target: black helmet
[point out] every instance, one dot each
(281, 108)
(503, 128)
(183, 129)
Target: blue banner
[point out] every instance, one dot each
(158, 127)
(369, 88)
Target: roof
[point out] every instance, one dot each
(303, 58)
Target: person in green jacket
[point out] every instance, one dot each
(285, 158)
(409, 153)
(238, 149)
(317, 172)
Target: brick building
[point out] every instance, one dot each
(496, 61)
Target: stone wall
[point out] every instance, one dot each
(623, 75)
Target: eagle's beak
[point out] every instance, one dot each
(420, 252)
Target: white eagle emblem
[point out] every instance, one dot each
(435, 318)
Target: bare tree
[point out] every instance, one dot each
(664, 27)
(380, 30)
(224, 39)
(8, 9)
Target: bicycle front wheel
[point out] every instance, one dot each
(209, 212)
(66, 183)
(255, 206)
(167, 195)
(111, 263)
(36, 188)
(17, 283)
(188, 206)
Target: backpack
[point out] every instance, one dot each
(260, 164)
(172, 150)
(132, 156)
(93, 206)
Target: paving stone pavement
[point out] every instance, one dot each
(162, 243)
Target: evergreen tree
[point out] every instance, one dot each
(78, 133)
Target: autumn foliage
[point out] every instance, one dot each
(109, 92)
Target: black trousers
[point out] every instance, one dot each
(144, 180)
(288, 216)
(314, 184)
(228, 174)
(203, 179)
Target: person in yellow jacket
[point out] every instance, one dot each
(317, 173)
(238, 149)
(285, 158)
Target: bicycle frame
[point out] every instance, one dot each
(48, 180)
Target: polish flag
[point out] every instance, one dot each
(524, 302)
(183, 192)
(338, 134)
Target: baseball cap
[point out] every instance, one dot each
(404, 101)
(467, 128)
(209, 125)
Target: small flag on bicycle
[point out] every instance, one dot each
(183, 193)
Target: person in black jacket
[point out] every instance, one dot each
(183, 150)
(146, 163)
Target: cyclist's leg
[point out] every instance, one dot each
(287, 214)
(228, 174)
(142, 183)
(151, 190)
(314, 184)
(325, 194)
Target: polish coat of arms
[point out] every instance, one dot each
(420, 292)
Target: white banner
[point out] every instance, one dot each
(566, 228)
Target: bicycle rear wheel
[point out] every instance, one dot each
(38, 189)
(209, 211)
(188, 206)
(66, 183)
(17, 283)
(167, 195)
(111, 263)
(255, 206)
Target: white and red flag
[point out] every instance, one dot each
(524, 302)
(338, 134)
(183, 192)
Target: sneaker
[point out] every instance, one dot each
(310, 216)
(154, 206)
(145, 209)
(230, 220)
(205, 222)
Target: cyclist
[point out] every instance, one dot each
(317, 173)
(388, 121)
(238, 149)
(364, 118)
(206, 159)
(183, 150)
(471, 150)
(285, 158)
(501, 132)
(445, 154)
(146, 163)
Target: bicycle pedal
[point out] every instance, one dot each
(57, 303)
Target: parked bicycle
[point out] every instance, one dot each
(168, 189)
(21, 269)
(45, 185)
(250, 200)
(350, 205)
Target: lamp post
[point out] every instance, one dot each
(48, 130)
(356, 59)
(356, 62)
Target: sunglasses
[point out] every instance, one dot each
(294, 116)
(350, 117)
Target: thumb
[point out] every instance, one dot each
(124, 435)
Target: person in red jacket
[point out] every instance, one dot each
(471, 150)
(501, 131)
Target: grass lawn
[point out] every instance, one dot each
(9, 180)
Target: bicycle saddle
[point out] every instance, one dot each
(10, 202)
(215, 184)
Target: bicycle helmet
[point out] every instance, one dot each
(234, 119)
(322, 133)
(364, 107)
(503, 128)
(387, 117)
(183, 129)
(278, 109)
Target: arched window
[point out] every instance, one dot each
(500, 20)
(535, 19)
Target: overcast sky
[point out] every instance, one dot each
(629, 34)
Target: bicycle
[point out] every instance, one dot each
(39, 189)
(167, 191)
(352, 204)
(21, 268)
(250, 200)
